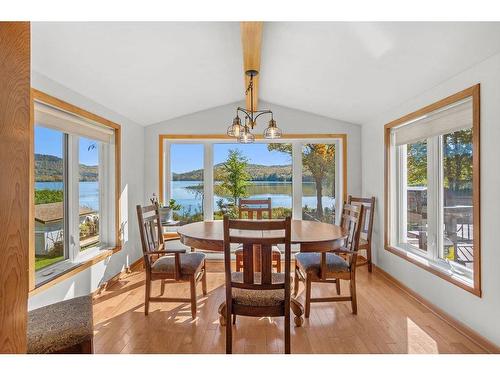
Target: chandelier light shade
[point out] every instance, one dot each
(246, 136)
(244, 132)
(235, 129)
(272, 131)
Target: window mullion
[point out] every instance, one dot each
(403, 194)
(166, 194)
(104, 199)
(208, 182)
(73, 206)
(297, 180)
(432, 197)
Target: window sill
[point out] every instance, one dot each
(74, 268)
(435, 269)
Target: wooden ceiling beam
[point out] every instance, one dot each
(251, 40)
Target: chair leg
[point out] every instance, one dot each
(354, 302)
(147, 294)
(296, 283)
(204, 280)
(234, 318)
(287, 332)
(162, 290)
(369, 257)
(337, 285)
(192, 281)
(308, 296)
(229, 331)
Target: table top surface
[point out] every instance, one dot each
(303, 231)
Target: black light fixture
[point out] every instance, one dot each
(244, 132)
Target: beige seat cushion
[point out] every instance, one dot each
(61, 325)
(251, 297)
(190, 263)
(311, 263)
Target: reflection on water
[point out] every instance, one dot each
(188, 193)
(88, 191)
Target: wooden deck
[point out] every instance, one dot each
(388, 321)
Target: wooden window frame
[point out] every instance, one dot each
(474, 93)
(39, 96)
(341, 137)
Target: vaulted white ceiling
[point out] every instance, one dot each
(151, 72)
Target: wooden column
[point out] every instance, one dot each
(15, 144)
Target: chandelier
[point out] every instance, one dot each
(244, 131)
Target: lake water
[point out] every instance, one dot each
(279, 192)
(89, 192)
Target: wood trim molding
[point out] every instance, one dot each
(135, 266)
(15, 185)
(472, 335)
(40, 96)
(103, 254)
(341, 136)
(58, 103)
(474, 93)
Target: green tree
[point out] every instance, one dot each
(48, 196)
(234, 176)
(317, 159)
(457, 160)
(416, 159)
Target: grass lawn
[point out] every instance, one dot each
(41, 262)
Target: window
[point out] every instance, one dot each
(267, 169)
(186, 164)
(75, 173)
(89, 192)
(432, 186)
(318, 182)
(224, 171)
(50, 159)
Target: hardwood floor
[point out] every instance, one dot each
(388, 321)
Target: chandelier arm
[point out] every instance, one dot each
(244, 111)
(263, 113)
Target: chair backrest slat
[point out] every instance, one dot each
(248, 272)
(266, 263)
(255, 207)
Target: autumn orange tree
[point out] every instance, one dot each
(319, 160)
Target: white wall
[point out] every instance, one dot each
(216, 120)
(132, 188)
(480, 314)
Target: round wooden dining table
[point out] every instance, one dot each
(208, 235)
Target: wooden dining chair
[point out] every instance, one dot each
(322, 264)
(255, 208)
(258, 294)
(167, 265)
(365, 241)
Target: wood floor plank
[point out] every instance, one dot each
(388, 321)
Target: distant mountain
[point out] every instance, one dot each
(50, 168)
(257, 172)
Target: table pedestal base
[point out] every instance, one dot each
(295, 306)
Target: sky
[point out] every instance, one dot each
(49, 142)
(188, 157)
